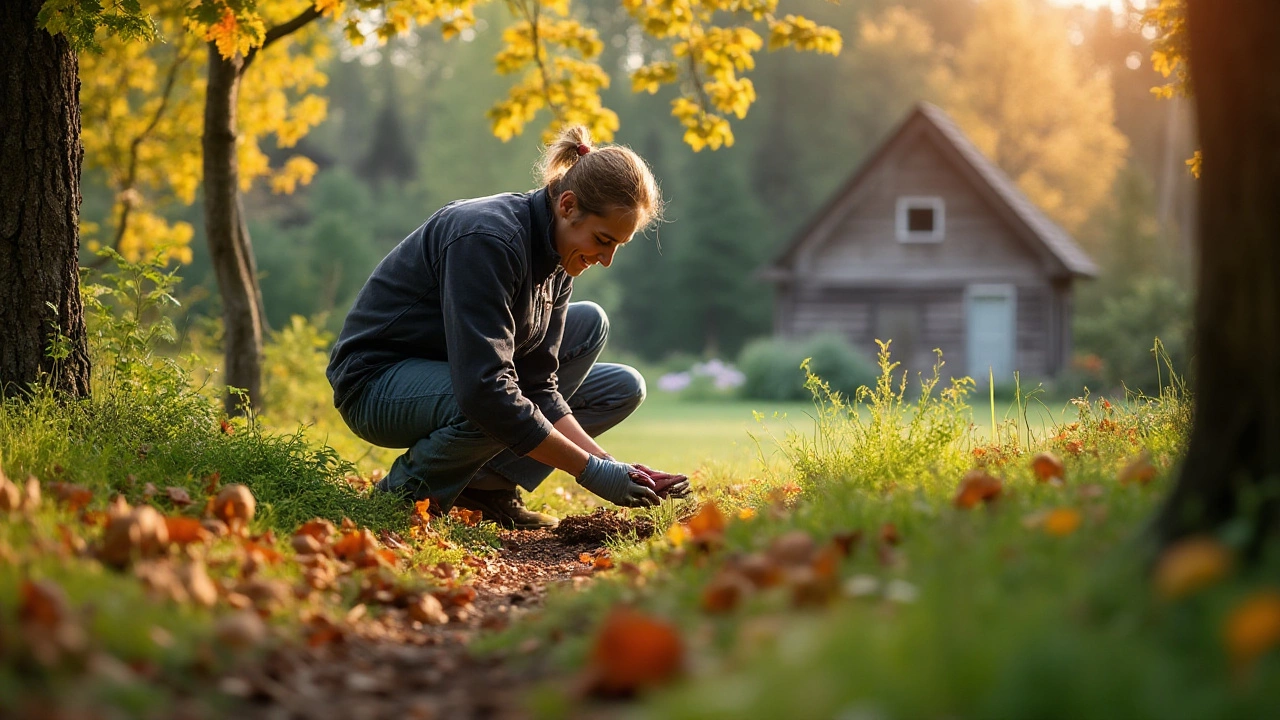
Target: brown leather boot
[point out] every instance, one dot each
(506, 508)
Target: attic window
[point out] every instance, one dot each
(920, 219)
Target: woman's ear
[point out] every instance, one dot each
(566, 205)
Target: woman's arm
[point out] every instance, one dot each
(562, 453)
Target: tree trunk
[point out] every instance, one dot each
(40, 157)
(230, 250)
(1232, 468)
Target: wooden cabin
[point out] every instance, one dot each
(933, 246)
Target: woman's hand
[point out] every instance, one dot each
(612, 480)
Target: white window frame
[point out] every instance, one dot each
(932, 202)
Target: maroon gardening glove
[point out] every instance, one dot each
(664, 483)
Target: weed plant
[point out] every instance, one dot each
(878, 439)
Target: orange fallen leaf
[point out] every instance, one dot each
(585, 558)
(889, 534)
(810, 589)
(141, 532)
(470, 518)
(1075, 447)
(827, 563)
(1062, 522)
(1139, 471)
(708, 525)
(456, 597)
(795, 547)
(1191, 565)
(234, 505)
(10, 496)
(185, 530)
(678, 534)
(847, 541)
(724, 591)
(425, 608)
(634, 651)
(1047, 466)
(977, 487)
(226, 427)
(762, 571)
(319, 528)
(354, 543)
(421, 510)
(261, 553)
(1252, 628)
(43, 604)
(601, 562)
(75, 497)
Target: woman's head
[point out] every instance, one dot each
(600, 197)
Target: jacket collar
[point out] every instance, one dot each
(542, 234)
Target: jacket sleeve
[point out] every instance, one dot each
(538, 368)
(478, 280)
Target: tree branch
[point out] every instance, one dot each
(283, 30)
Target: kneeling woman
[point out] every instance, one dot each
(464, 348)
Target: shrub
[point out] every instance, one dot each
(1120, 334)
(772, 367)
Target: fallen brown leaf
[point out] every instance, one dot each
(1047, 467)
(633, 651)
(1191, 565)
(178, 496)
(185, 530)
(235, 506)
(977, 487)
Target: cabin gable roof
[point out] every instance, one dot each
(1010, 204)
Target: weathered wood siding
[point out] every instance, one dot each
(921, 319)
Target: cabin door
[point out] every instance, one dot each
(991, 312)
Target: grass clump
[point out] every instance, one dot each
(880, 439)
(149, 426)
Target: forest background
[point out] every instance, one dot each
(1060, 96)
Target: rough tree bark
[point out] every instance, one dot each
(230, 251)
(1232, 467)
(40, 158)
(230, 248)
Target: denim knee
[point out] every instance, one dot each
(631, 387)
(587, 325)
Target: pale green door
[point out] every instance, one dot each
(991, 313)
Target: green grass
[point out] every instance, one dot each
(980, 612)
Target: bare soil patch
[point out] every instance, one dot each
(390, 666)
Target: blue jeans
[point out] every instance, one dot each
(411, 405)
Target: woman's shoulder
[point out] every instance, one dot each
(505, 215)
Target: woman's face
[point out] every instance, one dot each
(583, 239)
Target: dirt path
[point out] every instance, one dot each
(396, 668)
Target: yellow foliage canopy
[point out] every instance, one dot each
(1027, 101)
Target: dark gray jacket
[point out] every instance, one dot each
(480, 286)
